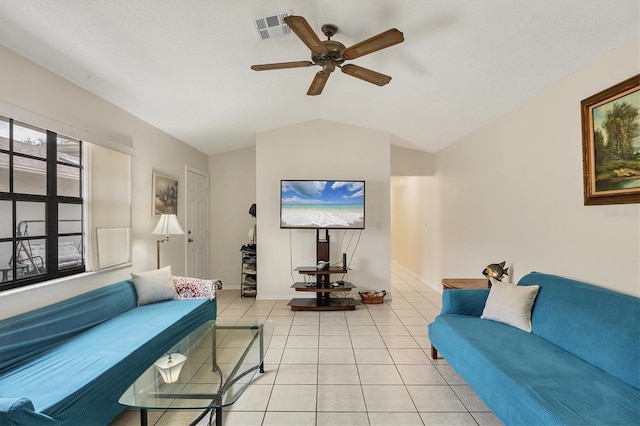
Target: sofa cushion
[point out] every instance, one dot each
(154, 286)
(24, 336)
(464, 302)
(19, 411)
(510, 304)
(551, 386)
(600, 326)
(98, 365)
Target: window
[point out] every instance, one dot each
(41, 205)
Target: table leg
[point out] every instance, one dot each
(261, 331)
(218, 416)
(214, 341)
(144, 418)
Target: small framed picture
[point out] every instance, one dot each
(611, 144)
(165, 194)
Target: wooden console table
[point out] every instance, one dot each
(451, 283)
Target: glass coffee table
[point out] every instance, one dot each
(208, 369)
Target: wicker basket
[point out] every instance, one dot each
(372, 300)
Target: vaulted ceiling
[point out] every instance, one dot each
(184, 66)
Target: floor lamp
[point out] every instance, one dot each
(167, 225)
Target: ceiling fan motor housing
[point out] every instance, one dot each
(330, 58)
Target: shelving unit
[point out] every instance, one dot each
(249, 271)
(323, 287)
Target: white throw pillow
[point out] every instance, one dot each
(511, 304)
(154, 286)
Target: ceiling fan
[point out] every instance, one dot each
(330, 54)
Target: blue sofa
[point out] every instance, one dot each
(69, 363)
(580, 365)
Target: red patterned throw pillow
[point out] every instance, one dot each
(195, 288)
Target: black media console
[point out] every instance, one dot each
(323, 287)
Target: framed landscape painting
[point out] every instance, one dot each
(611, 144)
(165, 194)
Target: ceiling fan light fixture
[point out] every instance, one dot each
(328, 67)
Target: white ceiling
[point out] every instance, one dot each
(183, 66)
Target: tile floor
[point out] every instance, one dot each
(371, 366)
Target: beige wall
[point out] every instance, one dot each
(233, 190)
(322, 149)
(410, 162)
(29, 87)
(513, 191)
(412, 229)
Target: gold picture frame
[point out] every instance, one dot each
(611, 144)
(164, 194)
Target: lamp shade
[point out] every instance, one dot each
(170, 366)
(168, 225)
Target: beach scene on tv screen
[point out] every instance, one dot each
(322, 204)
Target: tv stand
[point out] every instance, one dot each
(323, 287)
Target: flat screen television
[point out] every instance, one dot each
(322, 204)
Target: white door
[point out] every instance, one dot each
(197, 203)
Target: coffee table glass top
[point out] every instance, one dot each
(222, 357)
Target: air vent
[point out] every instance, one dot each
(272, 25)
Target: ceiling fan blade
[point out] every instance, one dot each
(303, 30)
(318, 83)
(281, 65)
(375, 43)
(366, 74)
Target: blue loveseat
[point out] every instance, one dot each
(69, 363)
(580, 365)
